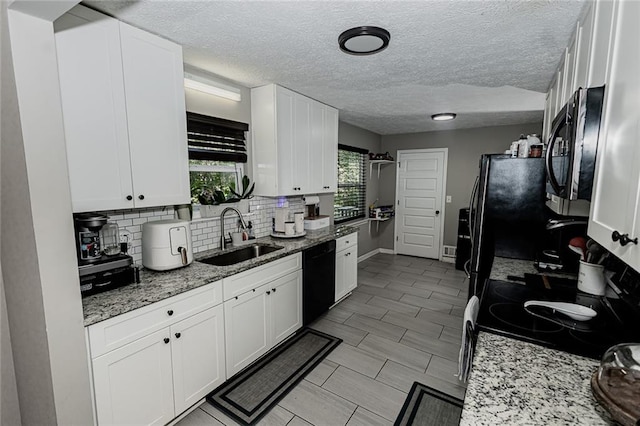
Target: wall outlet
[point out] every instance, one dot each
(448, 198)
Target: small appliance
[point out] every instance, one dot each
(87, 232)
(101, 265)
(166, 244)
(281, 216)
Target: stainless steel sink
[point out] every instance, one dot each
(239, 255)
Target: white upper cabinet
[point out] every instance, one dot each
(616, 199)
(124, 114)
(601, 41)
(583, 47)
(156, 118)
(295, 143)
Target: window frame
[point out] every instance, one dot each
(362, 185)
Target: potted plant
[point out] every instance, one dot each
(213, 201)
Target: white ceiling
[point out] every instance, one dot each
(488, 61)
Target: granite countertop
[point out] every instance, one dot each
(503, 267)
(514, 382)
(156, 286)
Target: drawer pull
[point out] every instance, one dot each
(166, 340)
(170, 312)
(268, 292)
(273, 289)
(178, 335)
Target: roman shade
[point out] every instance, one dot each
(216, 139)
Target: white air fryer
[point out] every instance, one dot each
(166, 244)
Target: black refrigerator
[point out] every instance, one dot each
(507, 213)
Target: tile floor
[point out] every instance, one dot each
(402, 324)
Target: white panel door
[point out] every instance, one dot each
(93, 105)
(419, 204)
(285, 299)
(154, 86)
(198, 356)
(246, 328)
(133, 384)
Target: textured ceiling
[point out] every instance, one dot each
(488, 61)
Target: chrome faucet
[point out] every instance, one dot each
(223, 240)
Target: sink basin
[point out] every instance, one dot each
(239, 255)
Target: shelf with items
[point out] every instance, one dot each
(378, 163)
(380, 214)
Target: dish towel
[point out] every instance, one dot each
(468, 336)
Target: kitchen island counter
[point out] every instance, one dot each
(518, 383)
(156, 286)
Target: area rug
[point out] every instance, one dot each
(251, 393)
(425, 406)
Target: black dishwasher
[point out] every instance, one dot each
(319, 280)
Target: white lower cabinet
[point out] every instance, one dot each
(260, 318)
(134, 384)
(346, 265)
(154, 378)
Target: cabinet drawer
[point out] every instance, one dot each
(240, 283)
(115, 332)
(347, 241)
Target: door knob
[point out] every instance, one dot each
(437, 212)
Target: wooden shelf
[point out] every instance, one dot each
(378, 163)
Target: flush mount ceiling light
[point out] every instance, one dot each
(364, 40)
(443, 116)
(211, 87)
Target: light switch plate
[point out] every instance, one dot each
(448, 198)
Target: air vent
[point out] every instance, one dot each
(449, 251)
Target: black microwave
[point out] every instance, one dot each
(571, 149)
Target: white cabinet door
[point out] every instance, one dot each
(350, 273)
(154, 87)
(246, 329)
(198, 356)
(346, 271)
(302, 138)
(616, 199)
(285, 141)
(133, 384)
(603, 27)
(285, 306)
(561, 81)
(570, 67)
(316, 149)
(585, 32)
(93, 104)
(330, 150)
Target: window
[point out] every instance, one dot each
(217, 150)
(349, 201)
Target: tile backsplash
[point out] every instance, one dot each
(205, 232)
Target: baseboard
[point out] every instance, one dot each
(368, 255)
(386, 251)
(448, 259)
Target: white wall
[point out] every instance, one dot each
(38, 256)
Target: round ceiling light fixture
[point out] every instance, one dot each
(364, 40)
(443, 116)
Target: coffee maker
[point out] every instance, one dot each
(99, 271)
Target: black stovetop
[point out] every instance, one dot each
(502, 312)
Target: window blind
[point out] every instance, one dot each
(216, 139)
(350, 199)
